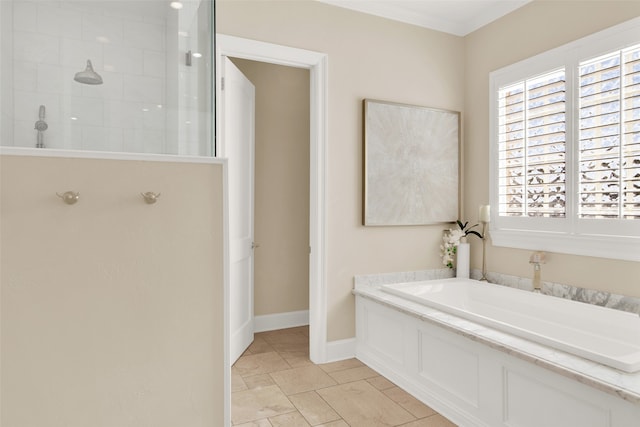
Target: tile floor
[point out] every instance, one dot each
(274, 384)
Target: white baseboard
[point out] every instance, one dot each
(272, 322)
(341, 349)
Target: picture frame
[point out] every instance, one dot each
(411, 164)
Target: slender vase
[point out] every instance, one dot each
(463, 259)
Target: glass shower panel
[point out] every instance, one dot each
(107, 75)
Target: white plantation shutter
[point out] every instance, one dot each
(565, 148)
(631, 133)
(531, 140)
(609, 136)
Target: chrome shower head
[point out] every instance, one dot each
(88, 76)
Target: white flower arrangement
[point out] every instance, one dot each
(451, 239)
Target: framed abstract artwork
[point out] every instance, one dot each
(411, 164)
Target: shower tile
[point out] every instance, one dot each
(82, 6)
(74, 53)
(6, 132)
(102, 139)
(58, 136)
(154, 19)
(25, 75)
(143, 141)
(154, 63)
(33, 47)
(124, 115)
(70, 135)
(144, 35)
(143, 89)
(27, 104)
(112, 88)
(103, 29)
(123, 59)
(23, 134)
(23, 13)
(51, 79)
(60, 22)
(87, 111)
(153, 117)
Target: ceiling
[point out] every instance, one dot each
(458, 17)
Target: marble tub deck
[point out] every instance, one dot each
(603, 378)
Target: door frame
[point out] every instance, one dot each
(317, 64)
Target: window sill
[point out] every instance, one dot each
(601, 246)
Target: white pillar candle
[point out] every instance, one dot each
(485, 213)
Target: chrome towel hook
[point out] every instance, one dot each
(69, 197)
(150, 197)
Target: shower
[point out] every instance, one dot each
(88, 76)
(120, 86)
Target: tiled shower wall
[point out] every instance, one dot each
(125, 41)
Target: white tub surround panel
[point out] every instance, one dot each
(480, 376)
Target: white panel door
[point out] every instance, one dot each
(237, 145)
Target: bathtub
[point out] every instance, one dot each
(603, 335)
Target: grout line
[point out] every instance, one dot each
(315, 390)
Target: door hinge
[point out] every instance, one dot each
(222, 83)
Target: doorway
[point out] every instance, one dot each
(281, 202)
(230, 46)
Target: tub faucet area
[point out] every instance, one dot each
(536, 259)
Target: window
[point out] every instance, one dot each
(609, 136)
(531, 139)
(565, 148)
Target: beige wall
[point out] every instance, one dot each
(281, 262)
(515, 37)
(111, 309)
(369, 57)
